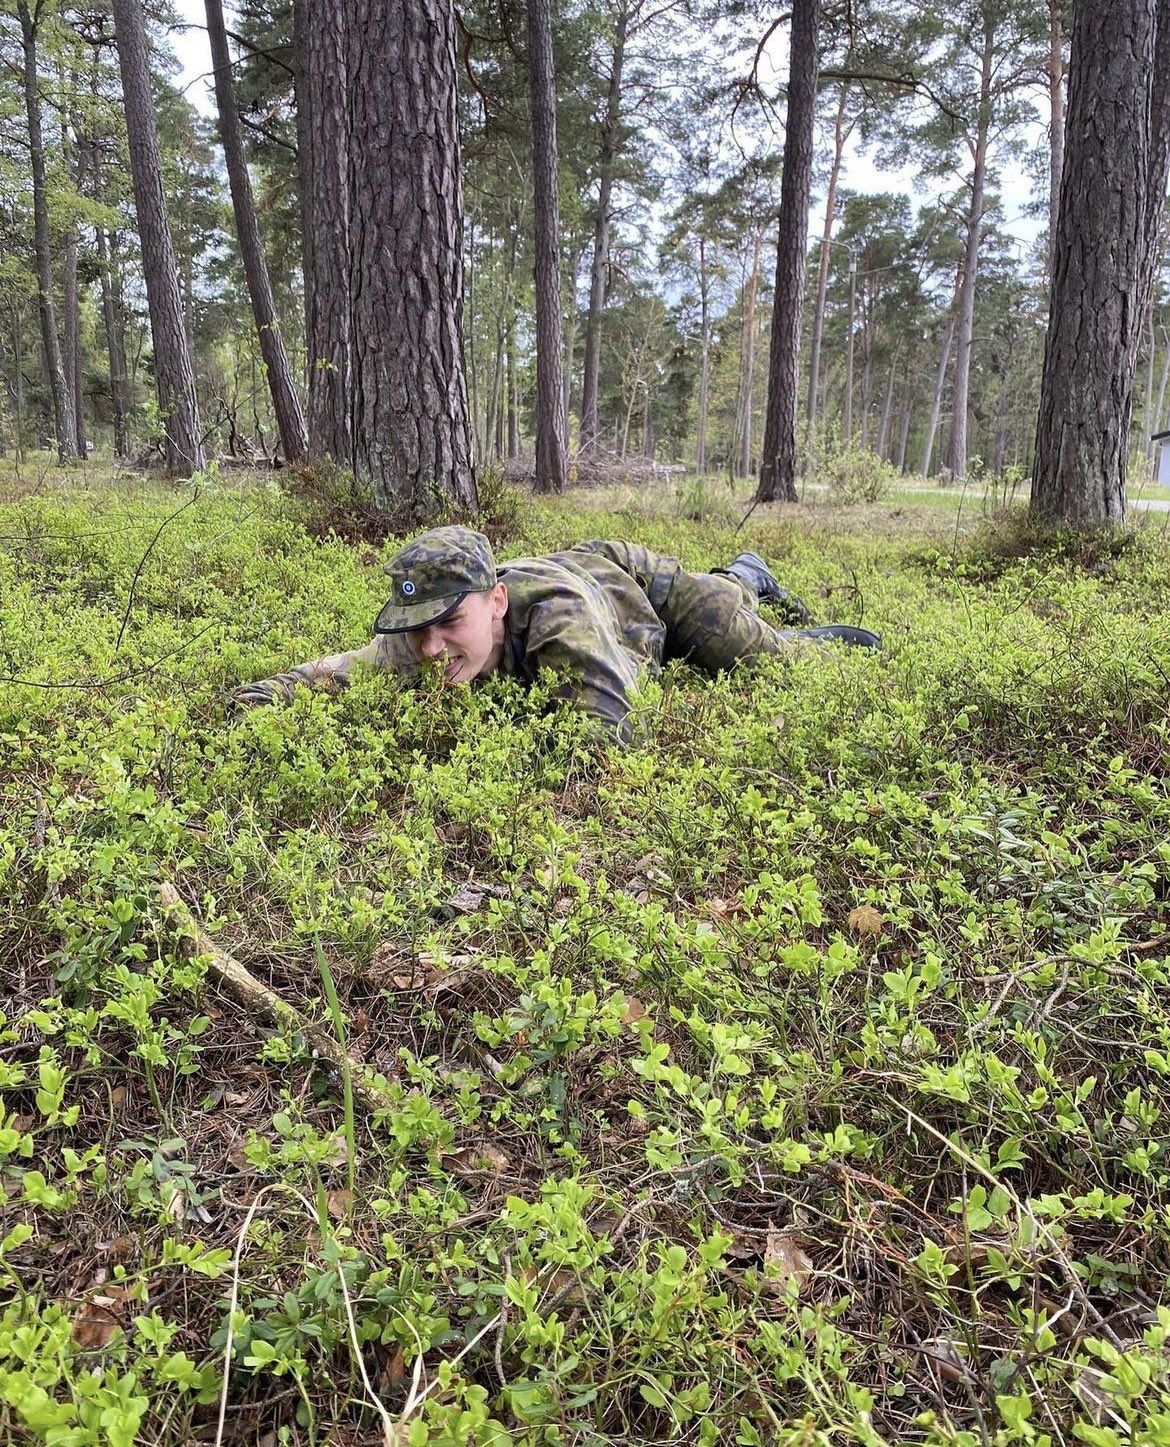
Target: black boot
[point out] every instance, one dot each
(750, 568)
(835, 633)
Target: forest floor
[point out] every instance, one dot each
(798, 1075)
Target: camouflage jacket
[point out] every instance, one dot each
(577, 613)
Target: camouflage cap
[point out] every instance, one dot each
(432, 575)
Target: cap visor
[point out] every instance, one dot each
(405, 618)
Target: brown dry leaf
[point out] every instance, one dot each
(565, 1286)
(394, 1372)
(477, 1159)
(118, 1246)
(786, 1262)
(634, 1010)
(944, 1359)
(389, 966)
(875, 810)
(865, 921)
(94, 1327)
(339, 1204)
(237, 1097)
(117, 1096)
(97, 1319)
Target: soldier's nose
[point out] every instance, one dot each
(431, 645)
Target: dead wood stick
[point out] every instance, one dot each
(264, 1003)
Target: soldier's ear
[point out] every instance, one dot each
(499, 600)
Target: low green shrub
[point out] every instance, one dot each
(798, 1075)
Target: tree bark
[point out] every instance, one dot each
(908, 401)
(74, 158)
(304, 145)
(1159, 406)
(71, 317)
(778, 465)
(63, 421)
(173, 368)
(1055, 122)
(744, 429)
(940, 381)
(847, 423)
(599, 273)
(115, 343)
(286, 405)
(704, 357)
(1159, 163)
(513, 385)
(324, 92)
(965, 324)
(1111, 194)
(551, 431)
(887, 406)
(840, 135)
(412, 434)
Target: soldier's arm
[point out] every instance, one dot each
(331, 673)
(598, 671)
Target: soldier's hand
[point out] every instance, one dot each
(252, 695)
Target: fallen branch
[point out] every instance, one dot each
(263, 1003)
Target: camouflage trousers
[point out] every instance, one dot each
(711, 619)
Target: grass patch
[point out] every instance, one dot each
(797, 1076)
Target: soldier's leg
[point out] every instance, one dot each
(712, 622)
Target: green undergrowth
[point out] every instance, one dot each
(796, 1076)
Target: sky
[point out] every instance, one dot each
(859, 172)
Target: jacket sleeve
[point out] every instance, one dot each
(597, 671)
(331, 673)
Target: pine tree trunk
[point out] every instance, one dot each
(887, 407)
(908, 401)
(778, 464)
(74, 158)
(300, 65)
(112, 320)
(469, 274)
(1159, 407)
(173, 368)
(940, 381)
(1159, 164)
(570, 363)
(63, 421)
(599, 273)
(1055, 121)
(749, 361)
(1111, 195)
(867, 350)
(328, 250)
(115, 344)
(965, 325)
(412, 434)
(850, 336)
(704, 358)
(551, 438)
(513, 386)
(286, 405)
(840, 135)
(71, 317)
(1147, 410)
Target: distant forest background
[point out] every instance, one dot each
(669, 142)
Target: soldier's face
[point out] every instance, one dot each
(470, 642)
